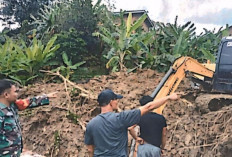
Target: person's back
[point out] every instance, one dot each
(151, 128)
(109, 132)
(152, 131)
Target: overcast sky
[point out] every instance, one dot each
(203, 13)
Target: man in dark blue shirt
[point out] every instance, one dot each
(106, 134)
(153, 129)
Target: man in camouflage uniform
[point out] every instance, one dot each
(10, 129)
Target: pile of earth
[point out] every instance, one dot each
(58, 129)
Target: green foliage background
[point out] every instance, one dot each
(82, 39)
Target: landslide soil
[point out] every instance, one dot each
(58, 129)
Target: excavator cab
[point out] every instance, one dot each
(222, 80)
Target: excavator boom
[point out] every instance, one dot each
(174, 76)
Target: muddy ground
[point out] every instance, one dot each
(58, 129)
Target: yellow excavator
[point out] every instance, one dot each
(214, 78)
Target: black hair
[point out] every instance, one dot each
(104, 104)
(145, 99)
(4, 85)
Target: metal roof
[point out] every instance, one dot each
(138, 12)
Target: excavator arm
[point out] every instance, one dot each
(174, 76)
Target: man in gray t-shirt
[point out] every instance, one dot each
(106, 134)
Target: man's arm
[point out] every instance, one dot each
(134, 134)
(164, 137)
(2, 132)
(132, 131)
(90, 150)
(157, 103)
(35, 101)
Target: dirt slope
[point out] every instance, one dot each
(58, 129)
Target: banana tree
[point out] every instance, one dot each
(121, 41)
(68, 67)
(170, 42)
(48, 18)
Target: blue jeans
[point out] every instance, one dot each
(148, 150)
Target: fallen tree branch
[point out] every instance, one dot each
(82, 124)
(198, 146)
(67, 93)
(172, 134)
(85, 92)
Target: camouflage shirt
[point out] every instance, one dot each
(10, 129)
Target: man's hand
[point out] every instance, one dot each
(52, 95)
(157, 103)
(174, 96)
(162, 152)
(90, 150)
(139, 140)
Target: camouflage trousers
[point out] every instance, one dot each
(11, 152)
